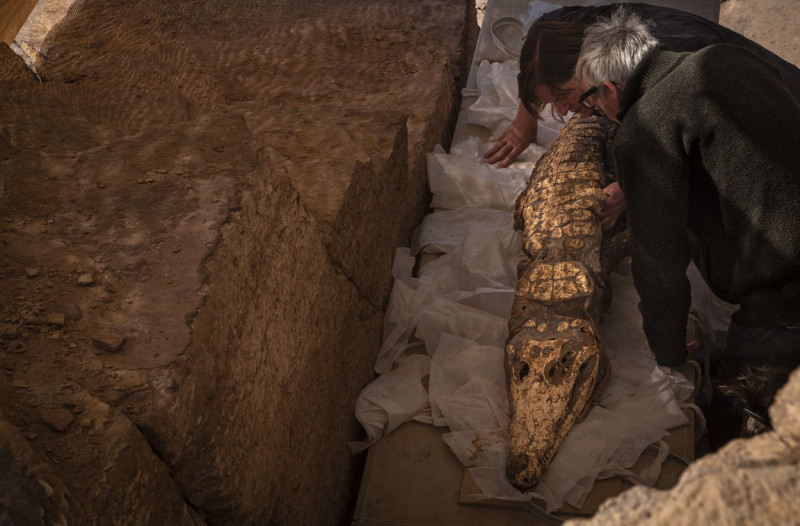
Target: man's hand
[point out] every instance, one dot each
(519, 135)
(613, 206)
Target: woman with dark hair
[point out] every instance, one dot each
(547, 65)
(550, 52)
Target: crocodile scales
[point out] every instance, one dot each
(554, 361)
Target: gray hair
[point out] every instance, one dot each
(612, 47)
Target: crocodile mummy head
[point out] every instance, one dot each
(553, 375)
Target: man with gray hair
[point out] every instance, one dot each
(708, 156)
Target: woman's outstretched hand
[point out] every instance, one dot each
(513, 141)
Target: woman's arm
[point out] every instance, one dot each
(519, 135)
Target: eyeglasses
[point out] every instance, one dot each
(588, 93)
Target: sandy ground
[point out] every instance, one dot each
(775, 24)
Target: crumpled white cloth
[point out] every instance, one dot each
(393, 398)
(461, 181)
(448, 325)
(497, 101)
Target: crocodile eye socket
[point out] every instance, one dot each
(524, 371)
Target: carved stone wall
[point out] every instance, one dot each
(199, 206)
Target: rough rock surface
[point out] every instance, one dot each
(198, 212)
(749, 481)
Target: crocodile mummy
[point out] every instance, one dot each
(555, 365)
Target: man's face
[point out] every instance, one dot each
(564, 99)
(606, 98)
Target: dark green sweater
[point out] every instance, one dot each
(709, 149)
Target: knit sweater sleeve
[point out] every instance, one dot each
(655, 178)
(708, 145)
